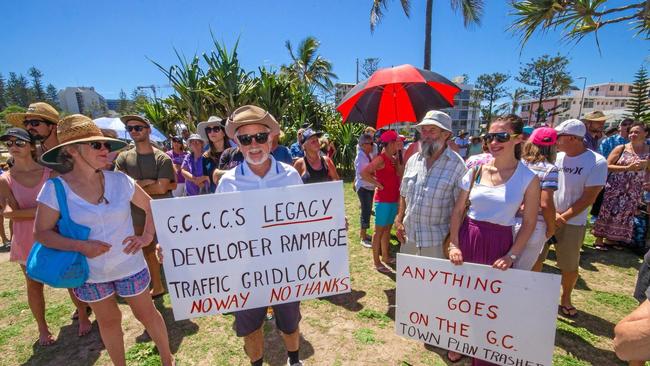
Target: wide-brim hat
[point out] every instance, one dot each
(212, 121)
(196, 137)
(596, 116)
(436, 118)
(38, 110)
(75, 129)
(250, 115)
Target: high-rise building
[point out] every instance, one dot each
(466, 112)
(610, 98)
(82, 100)
(341, 90)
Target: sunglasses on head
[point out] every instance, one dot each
(19, 143)
(214, 129)
(261, 138)
(33, 123)
(499, 136)
(97, 145)
(137, 128)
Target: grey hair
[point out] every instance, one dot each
(64, 161)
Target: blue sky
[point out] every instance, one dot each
(105, 44)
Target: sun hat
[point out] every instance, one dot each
(462, 133)
(18, 133)
(573, 127)
(389, 136)
(39, 110)
(134, 117)
(212, 121)
(595, 116)
(436, 118)
(250, 115)
(195, 136)
(77, 128)
(365, 139)
(308, 133)
(543, 136)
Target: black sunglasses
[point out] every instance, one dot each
(97, 145)
(180, 141)
(499, 136)
(246, 140)
(19, 143)
(34, 123)
(212, 129)
(137, 128)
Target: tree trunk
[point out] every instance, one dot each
(427, 36)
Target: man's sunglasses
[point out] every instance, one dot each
(499, 136)
(137, 128)
(97, 145)
(246, 140)
(19, 143)
(214, 129)
(34, 123)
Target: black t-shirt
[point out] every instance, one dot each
(230, 158)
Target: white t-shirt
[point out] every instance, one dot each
(110, 223)
(588, 169)
(498, 204)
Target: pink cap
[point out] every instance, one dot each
(389, 136)
(543, 136)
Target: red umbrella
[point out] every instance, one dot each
(397, 94)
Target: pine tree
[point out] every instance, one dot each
(3, 101)
(52, 95)
(639, 106)
(17, 90)
(37, 90)
(123, 106)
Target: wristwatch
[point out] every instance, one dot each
(512, 256)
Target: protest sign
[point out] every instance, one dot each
(235, 251)
(504, 317)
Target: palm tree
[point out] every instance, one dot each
(308, 66)
(472, 11)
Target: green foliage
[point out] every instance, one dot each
(308, 67)
(581, 332)
(345, 137)
(489, 88)
(365, 336)
(381, 318)
(568, 360)
(143, 354)
(621, 303)
(369, 66)
(9, 109)
(638, 107)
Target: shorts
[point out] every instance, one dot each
(434, 251)
(287, 317)
(642, 288)
(126, 287)
(567, 250)
(385, 213)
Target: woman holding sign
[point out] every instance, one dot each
(484, 236)
(101, 200)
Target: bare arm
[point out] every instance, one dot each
(136, 242)
(334, 175)
(158, 186)
(455, 255)
(399, 219)
(11, 209)
(548, 211)
(299, 165)
(368, 173)
(632, 335)
(587, 199)
(612, 159)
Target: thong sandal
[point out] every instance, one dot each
(566, 311)
(383, 269)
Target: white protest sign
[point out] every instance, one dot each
(235, 251)
(504, 317)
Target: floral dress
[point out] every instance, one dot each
(623, 193)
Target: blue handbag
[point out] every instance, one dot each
(60, 268)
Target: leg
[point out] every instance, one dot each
(109, 318)
(567, 250)
(36, 302)
(147, 314)
(2, 230)
(84, 321)
(376, 245)
(385, 244)
(254, 345)
(365, 198)
(154, 269)
(569, 279)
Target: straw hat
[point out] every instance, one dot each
(250, 115)
(596, 116)
(76, 129)
(35, 110)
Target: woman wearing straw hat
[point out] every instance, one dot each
(212, 132)
(101, 201)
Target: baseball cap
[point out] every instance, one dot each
(308, 133)
(573, 127)
(18, 133)
(389, 136)
(436, 118)
(543, 136)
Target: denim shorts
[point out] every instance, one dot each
(126, 287)
(385, 213)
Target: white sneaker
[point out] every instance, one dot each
(366, 243)
(299, 363)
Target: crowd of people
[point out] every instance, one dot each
(438, 194)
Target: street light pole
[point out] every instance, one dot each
(582, 98)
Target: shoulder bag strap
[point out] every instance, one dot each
(61, 198)
(475, 177)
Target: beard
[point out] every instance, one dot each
(256, 161)
(430, 148)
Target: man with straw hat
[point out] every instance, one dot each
(100, 200)
(595, 123)
(253, 129)
(40, 120)
(152, 170)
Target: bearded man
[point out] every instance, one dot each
(429, 189)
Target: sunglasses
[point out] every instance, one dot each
(214, 129)
(97, 145)
(34, 123)
(19, 143)
(246, 140)
(180, 141)
(137, 128)
(499, 136)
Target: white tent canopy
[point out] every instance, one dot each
(116, 125)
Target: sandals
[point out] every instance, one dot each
(602, 248)
(383, 269)
(454, 360)
(568, 311)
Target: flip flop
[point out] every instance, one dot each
(602, 248)
(566, 311)
(383, 269)
(454, 360)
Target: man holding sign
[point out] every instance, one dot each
(253, 129)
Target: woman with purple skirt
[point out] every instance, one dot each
(500, 187)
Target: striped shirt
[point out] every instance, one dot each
(547, 174)
(430, 196)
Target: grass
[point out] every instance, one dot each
(351, 329)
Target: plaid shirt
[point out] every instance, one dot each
(430, 197)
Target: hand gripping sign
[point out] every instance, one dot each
(243, 250)
(504, 317)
